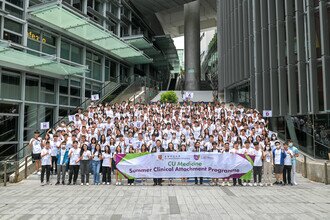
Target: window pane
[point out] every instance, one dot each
(47, 97)
(64, 100)
(14, 11)
(12, 37)
(31, 90)
(34, 45)
(10, 87)
(74, 102)
(48, 39)
(13, 26)
(97, 71)
(48, 49)
(88, 93)
(47, 85)
(76, 54)
(74, 91)
(65, 50)
(18, 3)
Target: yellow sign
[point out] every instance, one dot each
(36, 37)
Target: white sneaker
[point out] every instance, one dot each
(129, 184)
(108, 183)
(119, 183)
(295, 183)
(81, 184)
(255, 184)
(132, 184)
(244, 184)
(39, 173)
(87, 184)
(270, 184)
(250, 184)
(260, 184)
(42, 184)
(223, 184)
(103, 183)
(228, 184)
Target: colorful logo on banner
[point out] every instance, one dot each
(180, 164)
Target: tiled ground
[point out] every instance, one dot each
(29, 200)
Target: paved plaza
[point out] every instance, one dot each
(29, 200)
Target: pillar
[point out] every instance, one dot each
(192, 45)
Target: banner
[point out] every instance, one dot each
(182, 164)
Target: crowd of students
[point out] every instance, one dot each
(90, 142)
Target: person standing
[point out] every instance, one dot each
(74, 155)
(106, 166)
(225, 151)
(62, 160)
(55, 145)
(46, 163)
(130, 181)
(295, 152)
(198, 149)
(268, 165)
(278, 160)
(235, 150)
(96, 163)
(257, 165)
(85, 156)
(214, 149)
(287, 165)
(35, 144)
(170, 148)
(157, 149)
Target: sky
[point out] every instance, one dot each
(179, 42)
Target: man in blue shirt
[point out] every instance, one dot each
(294, 161)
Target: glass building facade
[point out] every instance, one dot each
(276, 54)
(31, 94)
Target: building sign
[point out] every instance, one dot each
(36, 37)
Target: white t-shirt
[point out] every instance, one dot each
(45, 160)
(74, 156)
(258, 158)
(86, 155)
(36, 145)
(287, 159)
(106, 160)
(277, 155)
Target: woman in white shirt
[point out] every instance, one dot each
(268, 165)
(96, 162)
(106, 166)
(85, 156)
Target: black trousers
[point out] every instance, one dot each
(158, 181)
(130, 181)
(235, 181)
(200, 180)
(257, 172)
(45, 168)
(74, 170)
(287, 174)
(54, 164)
(106, 174)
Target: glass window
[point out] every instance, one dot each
(77, 4)
(113, 69)
(75, 83)
(10, 86)
(31, 89)
(88, 93)
(76, 53)
(18, 3)
(12, 37)
(34, 45)
(8, 128)
(65, 50)
(64, 87)
(64, 100)
(48, 49)
(14, 11)
(13, 26)
(48, 39)
(74, 102)
(74, 91)
(47, 97)
(97, 71)
(47, 85)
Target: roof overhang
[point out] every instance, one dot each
(24, 59)
(67, 21)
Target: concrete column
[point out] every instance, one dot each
(21, 114)
(84, 6)
(273, 58)
(302, 77)
(282, 77)
(240, 40)
(291, 58)
(220, 42)
(251, 55)
(245, 21)
(192, 45)
(257, 55)
(265, 54)
(312, 75)
(324, 26)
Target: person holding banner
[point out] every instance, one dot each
(130, 181)
(198, 149)
(183, 148)
(158, 148)
(170, 149)
(118, 175)
(236, 150)
(214, 149)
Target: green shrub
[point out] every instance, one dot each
(169, 96)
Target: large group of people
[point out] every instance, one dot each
(89, 142)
